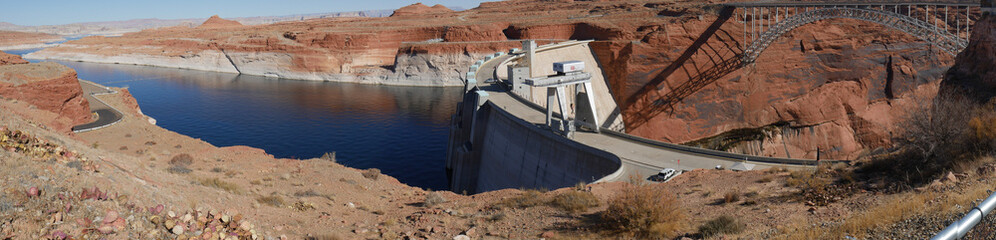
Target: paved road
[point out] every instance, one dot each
(640, 157)
(106, 115)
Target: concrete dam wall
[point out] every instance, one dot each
(490, 149)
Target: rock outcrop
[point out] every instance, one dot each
(420, 9)
(10, 59)
(48, 86)
(974, 70)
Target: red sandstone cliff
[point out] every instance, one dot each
(974, 70)
(48, 86)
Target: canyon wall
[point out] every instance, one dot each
(420, 56)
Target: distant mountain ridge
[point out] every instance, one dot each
(134, 25)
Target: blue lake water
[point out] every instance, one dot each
(400, 130)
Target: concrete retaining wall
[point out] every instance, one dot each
(494, 150)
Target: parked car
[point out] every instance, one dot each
(664, 175)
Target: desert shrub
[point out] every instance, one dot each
(575, 201)
(182, 159)
(308, 193)
(529, 198)
(934, 137)
(765, 179)
(433, 199)
(496, 217)
(645, 211)
(721, 225)
(75, 164)
(824, 185)
(180, 163)
(731, 196)
(803, 179)
(329, 156)
(178, 169)
(303, 206)
(219, 184)
(797, 178)
(983, 128)
(372, 173)
(936, 133)
(290, 35)
(272, 200)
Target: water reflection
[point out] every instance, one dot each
(401, 130)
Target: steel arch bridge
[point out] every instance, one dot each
(944, 26)
(931, 33)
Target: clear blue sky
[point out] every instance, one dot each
(54, 12)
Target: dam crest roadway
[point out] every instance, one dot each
(500, 137)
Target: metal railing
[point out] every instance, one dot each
(961, 227)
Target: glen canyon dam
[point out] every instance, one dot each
(514, 119)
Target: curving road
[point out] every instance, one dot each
(106, 115)
(641, 157)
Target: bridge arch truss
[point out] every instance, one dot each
(942, 25)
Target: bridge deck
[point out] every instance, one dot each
(640, 158)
